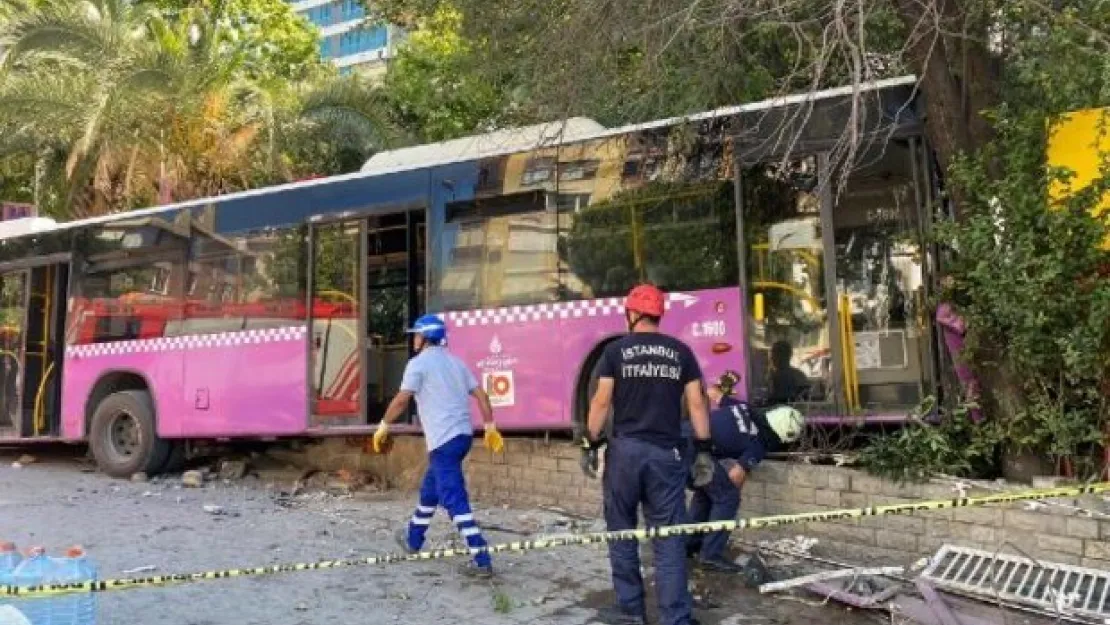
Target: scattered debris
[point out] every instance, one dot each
(192, 479)
(1047, 481)
(215, 510)
(962, 486)
(784, 549)
(1066, 589)
(754, 570)
(827, 576)
(27, 459)
(301, 607)
(738, 619)
(865, 592)
(150, 568)
(139, 477)
(922, 612)
(233, 469)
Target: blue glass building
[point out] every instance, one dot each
(345, 36)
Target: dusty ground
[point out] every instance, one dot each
(57, 502)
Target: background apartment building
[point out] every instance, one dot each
(346, 38)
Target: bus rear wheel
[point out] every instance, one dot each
(123, 436)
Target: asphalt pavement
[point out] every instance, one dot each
(162, 527)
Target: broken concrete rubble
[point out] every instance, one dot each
(192, 479)
(233, 469)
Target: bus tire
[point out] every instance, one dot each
(123, 435)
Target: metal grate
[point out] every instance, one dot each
(1060, 588)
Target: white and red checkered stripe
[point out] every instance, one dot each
(579, 309)
(190, 342)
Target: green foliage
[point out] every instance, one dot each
(619, 63)
(953, 446)
(434, 91)
(108, 105)
(1031, 280)
(271, 40)
(502, 603)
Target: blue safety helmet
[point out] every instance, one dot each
(430, 327)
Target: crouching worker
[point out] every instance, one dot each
(442, 386)
(741, 436)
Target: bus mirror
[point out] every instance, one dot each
(757, 307)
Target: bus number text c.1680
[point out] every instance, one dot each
(708, 329)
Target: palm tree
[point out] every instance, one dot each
(330, 125)
(78, 80)
(118, 106)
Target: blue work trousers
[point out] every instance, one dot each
(717, 501)
(444, 485)
(639, 473)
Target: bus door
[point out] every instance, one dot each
(883, 270)
(337, 353)
(395, 276)
(32, 328)
(367, 287)
(838, 277)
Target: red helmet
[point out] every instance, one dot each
(646, 300)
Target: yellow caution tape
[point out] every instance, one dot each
(558, 541)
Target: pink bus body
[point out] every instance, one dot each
(280, 312)
(253, 383)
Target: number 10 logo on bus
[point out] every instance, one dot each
(500, 388)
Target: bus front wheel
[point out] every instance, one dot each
(123, 436)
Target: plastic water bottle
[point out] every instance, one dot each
(36, 569)
(9, 559)
(78, 608)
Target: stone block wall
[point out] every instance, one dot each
(534, 473)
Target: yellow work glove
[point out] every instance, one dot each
(493, 440)
(382, 442)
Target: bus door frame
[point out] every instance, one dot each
(61, 293)
(314, 223)
(924, 196)
(363, 218)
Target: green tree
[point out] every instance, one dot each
(1032, 280)
(434, 92)
(270, 39)
(107, 105)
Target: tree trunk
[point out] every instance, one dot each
(956, 73)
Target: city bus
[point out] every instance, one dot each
(280, 312)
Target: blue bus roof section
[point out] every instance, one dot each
(396, 162)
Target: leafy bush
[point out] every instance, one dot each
(1029, 276)
(952, 445)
